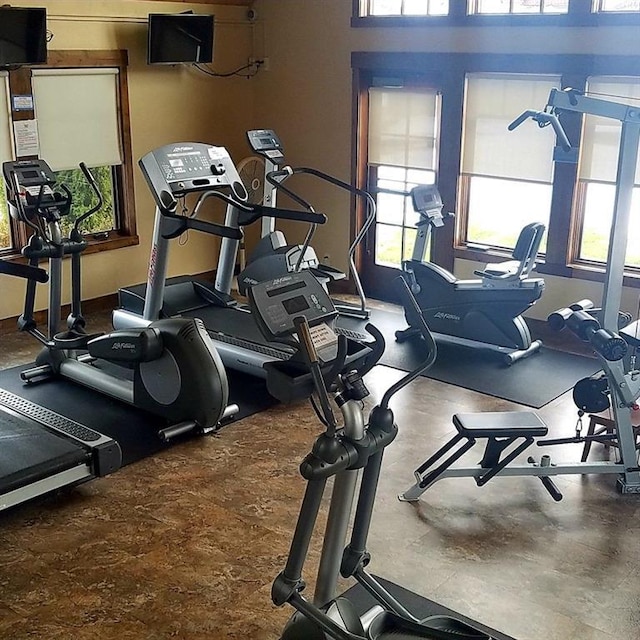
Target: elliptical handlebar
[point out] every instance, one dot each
(25, 271)
(428, 338)
(96, 190)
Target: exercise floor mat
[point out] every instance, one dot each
(135, 431)
(534, 381)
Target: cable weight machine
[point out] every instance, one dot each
(508, 434)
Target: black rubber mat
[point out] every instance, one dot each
(417, 605)
(534, 381)
(135, 430)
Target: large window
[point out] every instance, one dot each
(496, 180)
(595, 193)
(81, 111)
(402, 144)
(405, 7)
(473, 12)
(506, 177)
(518, 6)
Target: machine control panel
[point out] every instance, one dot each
(266, 143)
(35, 182)
(427, 201)
(187, 167)
(277, 303)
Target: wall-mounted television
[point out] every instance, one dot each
(23, 36)
(180, 37)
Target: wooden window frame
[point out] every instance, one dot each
(125, 234)
(447, 72)
(579, 14)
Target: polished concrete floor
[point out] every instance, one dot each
(187, 543)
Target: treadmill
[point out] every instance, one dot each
(172, 173)
(41, 450)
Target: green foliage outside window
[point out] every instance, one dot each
(83, 198)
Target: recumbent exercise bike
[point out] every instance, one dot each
(481, 313)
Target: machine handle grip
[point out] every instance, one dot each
(251, 213)
(309, 351)
(23, 271)
(432, 354)
(529, 113)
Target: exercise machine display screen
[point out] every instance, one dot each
(295, 305)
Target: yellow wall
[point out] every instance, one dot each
(306, 96)
(167, 104)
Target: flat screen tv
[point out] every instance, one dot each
(23, 36)
(180, 37)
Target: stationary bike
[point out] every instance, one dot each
(176, 372)
(296, 310)
(483, 313)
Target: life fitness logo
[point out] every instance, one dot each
(152, 262)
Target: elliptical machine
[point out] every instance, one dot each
(177, 373)
(483, 313)
(273, 256)
(296, 310)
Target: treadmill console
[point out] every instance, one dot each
(174, 170)
(276, 303)
(266, 143)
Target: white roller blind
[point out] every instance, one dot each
(77, 114)
(5, 122)
(492, 102)
(601, 136)
(403, 127)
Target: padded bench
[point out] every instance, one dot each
(508, 434)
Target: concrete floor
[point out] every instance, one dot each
(186, 544)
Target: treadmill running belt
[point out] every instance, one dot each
(29, 452)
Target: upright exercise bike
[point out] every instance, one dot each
(480, 313)
(177, 373)
(296, 310)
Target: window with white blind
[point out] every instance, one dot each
(404, 7)
(506, 176)
(594, 202)
(402, 152)
(78, 121)
(5, 155)
(80, 107)
(484, 7)
(615, 6)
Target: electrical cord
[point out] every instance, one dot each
(252, 69)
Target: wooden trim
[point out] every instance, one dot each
(20, 83)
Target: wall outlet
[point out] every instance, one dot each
(263, 62)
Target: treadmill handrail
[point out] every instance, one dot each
(249, 213)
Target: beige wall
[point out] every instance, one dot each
(167, 104)
(306, 95)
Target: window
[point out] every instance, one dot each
(80, 104)
(5, 154)
(402, 147)
(566, 13)
(594, 201)
(404, 7)
(518, 6)
(506, 177)
(616, 5)
(81, 110)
